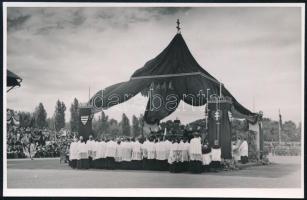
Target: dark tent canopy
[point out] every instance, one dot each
(173, 76)
(12, 80)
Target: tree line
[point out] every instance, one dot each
(102, 126)
(105, 126)
(39, 119)
(289, 130)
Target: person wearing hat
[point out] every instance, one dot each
(195, 154)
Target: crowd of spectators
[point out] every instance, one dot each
(36, 143)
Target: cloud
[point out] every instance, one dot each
(61, 52)
(47, 20)
(16, 23)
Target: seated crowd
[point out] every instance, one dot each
(35, 143)
(153, 153)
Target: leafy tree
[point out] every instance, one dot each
(95, 126)
(297, 135)
(50, 123)
(25, 119)
(40, 116)
(136, 129)
(289, 131)
(114, 128)
(125, 125)
(270, 130)
(74, 116)
(59, 115)
(104, 124)
(141, 122)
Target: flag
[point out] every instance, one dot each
(84, 119)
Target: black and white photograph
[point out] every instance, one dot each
(153, 99)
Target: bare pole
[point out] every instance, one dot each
(102, 103)
(279, 127)
(220, 89)
(218, 122)
(207, 108)
(89, 93)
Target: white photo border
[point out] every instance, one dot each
(157, 192)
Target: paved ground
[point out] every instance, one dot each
(284, 172)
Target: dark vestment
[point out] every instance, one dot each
(215, 164)
(82, 164)
(195, 166)
(244, 159)
(206, 168)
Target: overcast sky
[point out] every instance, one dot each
(61, 52)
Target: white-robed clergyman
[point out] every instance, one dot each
(244, 151)
(151, 154)
(100, 154)
(207, 157)
(73, 153)
(90, 146)
(145, 154)
(110, 154)
(82, 162)
(236, 150)
(136, 154)
(174, 158)
(126, 154)
(185, 154)
(216, 156)
(195, 154)
(95, 154)
(162, 155)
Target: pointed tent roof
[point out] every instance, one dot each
(174, 75)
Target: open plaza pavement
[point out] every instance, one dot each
(283, 172)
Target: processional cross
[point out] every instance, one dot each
(178, 26)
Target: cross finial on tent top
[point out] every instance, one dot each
(178, 26)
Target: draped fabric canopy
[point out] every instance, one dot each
(12, 80)
(172, 76)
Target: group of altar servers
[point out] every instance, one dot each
(175, 155)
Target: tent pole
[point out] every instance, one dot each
(220, 89)
(10, 88)
(207, 108)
